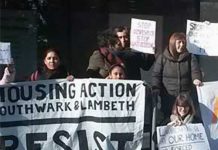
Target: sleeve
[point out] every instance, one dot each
(145, 60)
(96, 61)
(157, 73)
(8, 76)
(195, 69)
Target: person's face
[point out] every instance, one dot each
(124, 39)
(118, 46)
(117, 73)
(52, 61)
(183, 111)
(180, 46)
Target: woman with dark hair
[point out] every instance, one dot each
(51, 67)
(183, 111)
(117, 71)
(175, 71)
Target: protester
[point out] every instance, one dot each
(51, 67)
(134, 61)
(103, 58)
(122, 33)
(183, 111)
(8, 74)
(174, 72)
(117, 71)
(114, 48)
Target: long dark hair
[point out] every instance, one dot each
(50, 50)
(42, 68)
(183, 100)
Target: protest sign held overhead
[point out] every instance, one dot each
(81, 115)
(185, 137)
(208, 100)
(5, 53)
(202, 38)
(142, 35)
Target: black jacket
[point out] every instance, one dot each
(175, 76)
(134, 61)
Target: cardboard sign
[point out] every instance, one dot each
(142, 35)
(185, 137)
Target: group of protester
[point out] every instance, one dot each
(175, 70)
(113, 48)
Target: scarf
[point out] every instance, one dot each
(110, 56)
(188, 119)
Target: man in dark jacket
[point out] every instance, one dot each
(113, 51)
(133, 60)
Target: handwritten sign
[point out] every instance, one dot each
(185, 137)
(142, 35)
(5, 53)
(202, 38)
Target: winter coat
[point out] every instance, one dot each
(174, 76)
(100, 62)
(134, 62)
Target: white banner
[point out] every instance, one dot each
(202, 38)
(142, 35)
(85, 114)
(185, 137)
(208, 99)
(5, 53)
